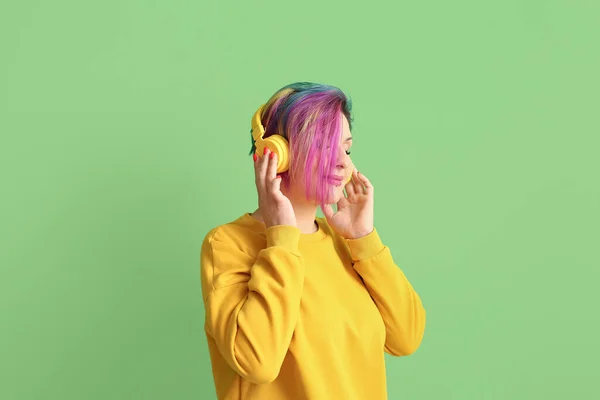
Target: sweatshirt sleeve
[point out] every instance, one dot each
(398, 303)
(252, 304)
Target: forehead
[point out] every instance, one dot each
(345, 128)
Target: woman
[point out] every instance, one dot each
(298, 306)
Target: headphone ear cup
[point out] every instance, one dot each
(348, 179)
(279, 145)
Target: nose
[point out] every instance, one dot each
(343, 159)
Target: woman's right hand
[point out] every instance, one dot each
(275, 208)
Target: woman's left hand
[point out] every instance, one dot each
(354, 216)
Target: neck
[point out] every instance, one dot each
(305, 217)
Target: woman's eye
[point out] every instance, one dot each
(348, 152)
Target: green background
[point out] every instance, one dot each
(125, 137)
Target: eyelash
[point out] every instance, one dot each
(347, 151)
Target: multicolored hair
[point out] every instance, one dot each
(309, 115)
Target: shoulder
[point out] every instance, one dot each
(240, 234)
(227, 229)
(227, 254)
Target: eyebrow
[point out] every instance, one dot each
(349, 138)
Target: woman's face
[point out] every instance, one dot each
(340, 173)
(344, 167)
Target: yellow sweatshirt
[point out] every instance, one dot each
(303, 316)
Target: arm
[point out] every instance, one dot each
(399, 304)
(252, 305)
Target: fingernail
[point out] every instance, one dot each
(271, 155)
(255, 156)
(265, 150)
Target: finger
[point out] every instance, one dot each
(272, 167)
(327, 211)
(350, 186)
(357, 187)
(276, 185)
(262, 165)
(366, 182)
(256, 160)
(342, 203)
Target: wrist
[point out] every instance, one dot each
(359, 234)
(366, 246)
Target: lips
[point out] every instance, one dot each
(335, 180)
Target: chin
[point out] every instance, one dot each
(334, 196)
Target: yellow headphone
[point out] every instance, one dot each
(276, 143)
